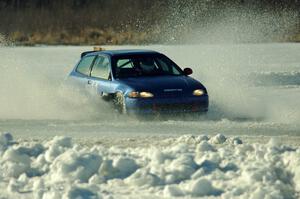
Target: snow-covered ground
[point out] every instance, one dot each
(254, 92)
(187, 166)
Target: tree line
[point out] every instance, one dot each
(149, 17)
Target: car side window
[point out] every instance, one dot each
(124, 63)
(101, 68)
(167, 67)
(85, 64)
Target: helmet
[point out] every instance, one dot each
(147, 64)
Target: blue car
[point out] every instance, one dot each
(140, 82)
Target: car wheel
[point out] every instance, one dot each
(119, 102)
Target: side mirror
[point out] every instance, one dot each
(187, 71)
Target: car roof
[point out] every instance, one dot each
(124, 52)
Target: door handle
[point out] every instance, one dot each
(89, 82)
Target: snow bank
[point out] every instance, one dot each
(189, 166)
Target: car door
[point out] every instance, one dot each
(100, 78)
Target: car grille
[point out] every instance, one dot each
(171, 94)
(170, 107)
(174, 107)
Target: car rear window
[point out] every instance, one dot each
(85, 64)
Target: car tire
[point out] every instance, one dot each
(119, 102)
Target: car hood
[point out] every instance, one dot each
(163, 85)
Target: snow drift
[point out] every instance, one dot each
(186, 166)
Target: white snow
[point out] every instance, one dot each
(188, 166)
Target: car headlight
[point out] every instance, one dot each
(146, 94)
(198, 92)
(143, 94)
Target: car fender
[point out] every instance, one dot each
(124, 89)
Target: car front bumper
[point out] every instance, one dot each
(189, 104)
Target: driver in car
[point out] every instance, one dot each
(147, 65)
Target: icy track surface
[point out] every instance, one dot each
(254, 93)
(185, 166)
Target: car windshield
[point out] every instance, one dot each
(145, 65)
